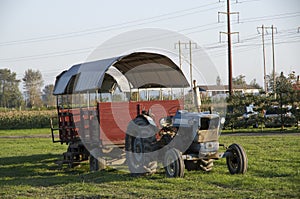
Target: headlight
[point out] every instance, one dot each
(209, 147)
(222, 120)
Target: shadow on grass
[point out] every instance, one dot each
(41, 170)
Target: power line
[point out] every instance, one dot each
(211, 46)
(117, 45)
(271, 17)
(75, 51)
(115, 26)
(131, 23)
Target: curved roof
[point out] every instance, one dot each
(135, 70)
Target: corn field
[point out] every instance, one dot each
(26, 119)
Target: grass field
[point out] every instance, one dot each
(26, 132)
(27, 170)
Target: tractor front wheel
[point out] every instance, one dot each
(236, 160)
(173, 163)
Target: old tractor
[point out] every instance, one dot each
(130, 110)
(184, 140)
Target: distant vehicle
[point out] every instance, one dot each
(273, 117)
(250, 117)
(244, 119)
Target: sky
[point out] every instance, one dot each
(53, 35)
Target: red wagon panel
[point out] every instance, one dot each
(115, 116)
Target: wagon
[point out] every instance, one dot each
(131, 107)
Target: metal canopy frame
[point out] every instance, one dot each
(132, 71)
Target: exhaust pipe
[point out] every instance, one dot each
(197, 97)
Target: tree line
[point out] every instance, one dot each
(286, 94)
(34, 95)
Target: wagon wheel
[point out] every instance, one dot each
(97, 164)
(237, 161)
(94, 164)
(173, 163)
(138, 148)
(205, 165)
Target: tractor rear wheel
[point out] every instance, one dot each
(140, 148)
(173, 163)
(237, 161)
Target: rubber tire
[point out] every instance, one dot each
(237, 161)
(174, 164)
(138, 150)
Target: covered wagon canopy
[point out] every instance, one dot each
(132, 71)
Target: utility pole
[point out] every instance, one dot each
(264, 55)
(228, 13)
(187, 45)
(273, 58)
(229, 49)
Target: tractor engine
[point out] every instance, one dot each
(199, 129)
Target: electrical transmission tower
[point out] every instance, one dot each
(262, 28)
(228, 33)
(263, 31)
(187, 45)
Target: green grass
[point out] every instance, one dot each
(25, 132)
(27, 170)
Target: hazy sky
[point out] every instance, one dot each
(52, 35)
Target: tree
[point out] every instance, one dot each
(292, 77)
(33, 83)
(10, 95)
(270, 81)
(239, 80)
(255, 84)
(48, 97)
(286, 93)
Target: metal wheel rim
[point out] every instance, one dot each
(170, 165)
(234, 161)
